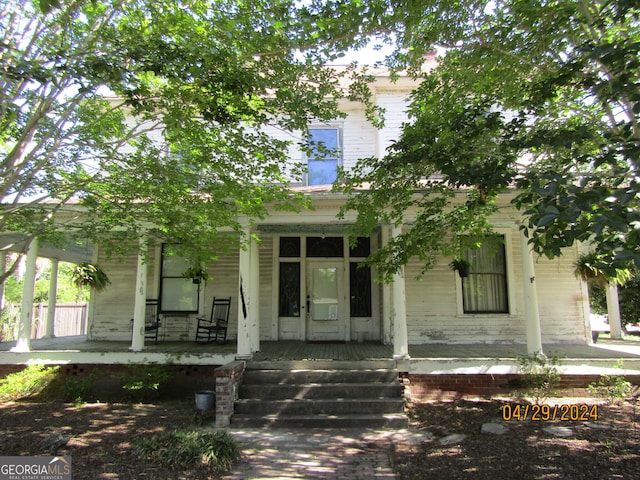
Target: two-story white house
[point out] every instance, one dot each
(302, 282)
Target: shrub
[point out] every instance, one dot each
(184, 449)
(540, 376)
(143, 382)
(613, 388)
(76, 389)
(629, 295)
(30, 381)
(9, 317)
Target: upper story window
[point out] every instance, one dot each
(325, 156)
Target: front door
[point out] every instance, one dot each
(326, 317)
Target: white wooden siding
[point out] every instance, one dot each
(395, 105)
(110, 318)
(223, 282)
(432, 314)
(360, 138)
(357, 138)
(432, 311)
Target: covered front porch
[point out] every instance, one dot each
(423, 359)
(308, 287)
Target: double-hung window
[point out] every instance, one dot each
(177, 293)
(324, 156)
(485, 289)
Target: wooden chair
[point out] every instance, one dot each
(214, 329)
(151, 320)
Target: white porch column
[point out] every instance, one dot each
(399, 310)
(244, 295)
(387, 321)
(53, 293)
(532, 314)
(254, 295)
(137, 338)
(23, 343)
(3, 266)
(613, 311)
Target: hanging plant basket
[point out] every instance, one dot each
(197, 275)
(588, 267)
(89, 275)
(462, 266)
(586, 270)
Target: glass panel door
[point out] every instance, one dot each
(326, 318)
(324, 298)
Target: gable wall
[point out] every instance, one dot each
(360, 138)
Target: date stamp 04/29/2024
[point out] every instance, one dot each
(576, 412)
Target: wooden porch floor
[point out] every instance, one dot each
(296, 350)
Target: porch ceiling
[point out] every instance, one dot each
(71, 252)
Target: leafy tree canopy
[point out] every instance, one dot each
(539, 95)
(151, 114)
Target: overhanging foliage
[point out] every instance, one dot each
(542, 96)
(150, 115)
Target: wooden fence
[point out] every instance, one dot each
(71, 319)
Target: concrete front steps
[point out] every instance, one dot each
(320, 394)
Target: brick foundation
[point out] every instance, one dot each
(184, 380)
(9, 369)
(452, 386)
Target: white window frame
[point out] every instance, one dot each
(340, 148)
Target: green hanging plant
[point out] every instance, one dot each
(89, 275)
(197, 274)
(460, 265)
(590, 267)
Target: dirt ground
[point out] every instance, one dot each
(99, 438)
(608, 447)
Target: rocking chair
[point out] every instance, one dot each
(214, 329)
(151, 320)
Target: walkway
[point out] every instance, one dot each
(317, 454)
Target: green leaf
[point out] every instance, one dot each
(47, 5)
(546, 220)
